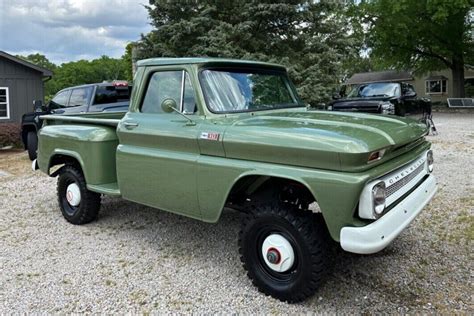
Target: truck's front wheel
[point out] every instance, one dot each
(78, 204)
(283, 249)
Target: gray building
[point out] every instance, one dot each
(21, 82)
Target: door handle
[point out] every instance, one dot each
(130, 125)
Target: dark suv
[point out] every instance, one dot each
(397, 98)
(97, 97)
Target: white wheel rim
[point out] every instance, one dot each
(278, 247)
(73, 194)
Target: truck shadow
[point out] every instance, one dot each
(353, 279)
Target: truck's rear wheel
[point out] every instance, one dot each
(32, 145)
(78, 204)
(284, 251)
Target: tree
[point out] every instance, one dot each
(127, 58)
(83, 72)
(310, 38)
(423, 35)
(79, 72)
(39, 60)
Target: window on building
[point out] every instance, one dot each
(4, 104)
(437, 86)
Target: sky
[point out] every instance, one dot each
(69, 30)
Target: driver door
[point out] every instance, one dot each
(158, 151)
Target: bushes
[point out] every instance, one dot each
(10, 134)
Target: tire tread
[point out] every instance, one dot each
(311, 229)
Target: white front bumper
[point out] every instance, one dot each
(376, 236)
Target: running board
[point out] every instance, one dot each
(107, 188)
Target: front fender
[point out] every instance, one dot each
(337, 193)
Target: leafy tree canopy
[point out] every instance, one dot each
(80, 72)
(39, 60)
(309, 37)
(422, 35)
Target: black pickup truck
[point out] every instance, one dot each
(96, 97)
(398, 98)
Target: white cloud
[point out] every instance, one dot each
(66, 30)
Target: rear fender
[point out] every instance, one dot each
(92, 147)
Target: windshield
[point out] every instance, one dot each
(375, 90)
(240, 91)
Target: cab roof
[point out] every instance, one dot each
(207, 61)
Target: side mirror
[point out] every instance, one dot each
(38, 106)
(336, 96)
(410, 94)
(169, 105)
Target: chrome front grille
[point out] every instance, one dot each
(403, 181)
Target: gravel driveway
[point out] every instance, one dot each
(137, 259)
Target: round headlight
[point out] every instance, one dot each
(378, 198)
(430, 160)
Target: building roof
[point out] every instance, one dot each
(204, 60)
(436, 77)
(380, 76)
(44, 71)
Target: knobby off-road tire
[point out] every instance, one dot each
(71, 181)
(307, 235)
(32, 145)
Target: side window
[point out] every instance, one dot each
(407, 88)
(80, 96)
(169, 84)
(60, 100)
(111, 94)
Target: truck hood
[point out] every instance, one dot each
(365, 99)
(320, 139)
(371, 104)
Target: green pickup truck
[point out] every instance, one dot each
(205, 134)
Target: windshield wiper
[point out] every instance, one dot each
(378, 95)
(283, 105)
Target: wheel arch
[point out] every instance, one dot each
(215, 198)
(252, 182)
(61, 157)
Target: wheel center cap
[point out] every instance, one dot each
(73, 194)
(273, 256)
(69, 196)
(278, 253)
